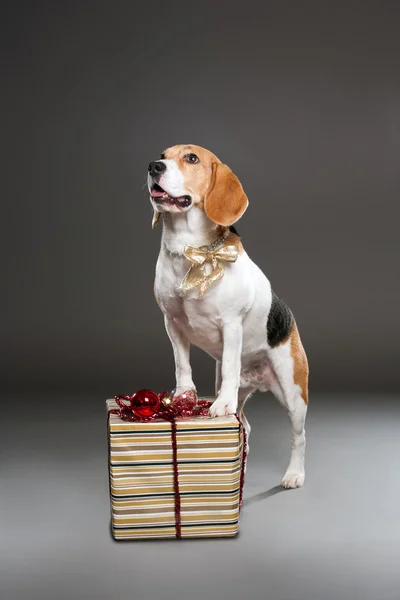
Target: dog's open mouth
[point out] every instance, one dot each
(161, 196)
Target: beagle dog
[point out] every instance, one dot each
(214, 296)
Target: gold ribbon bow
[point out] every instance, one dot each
(200, 258)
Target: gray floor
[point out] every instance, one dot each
(338, 537)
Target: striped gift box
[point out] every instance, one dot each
(209, 460)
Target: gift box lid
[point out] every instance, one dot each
(182, 423)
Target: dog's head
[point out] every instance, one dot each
(187, 176)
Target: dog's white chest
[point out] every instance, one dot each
(198, 317)
(243, 292)
(201, 325)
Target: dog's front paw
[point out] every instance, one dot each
(293, 479)
(221, 407)
(180, 389)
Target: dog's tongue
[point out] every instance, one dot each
(157, 193)
(181, 201)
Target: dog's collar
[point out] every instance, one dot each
(214, 255)
(215, 244)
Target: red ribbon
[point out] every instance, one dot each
(180, 407)
(244, 458)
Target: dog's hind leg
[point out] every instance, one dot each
(295, 473)
(291, 389)
(243, 395)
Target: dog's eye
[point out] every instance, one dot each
(191, 158)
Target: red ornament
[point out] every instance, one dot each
(145, 403)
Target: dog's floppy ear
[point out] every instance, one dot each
(156, 216)
(225, 201)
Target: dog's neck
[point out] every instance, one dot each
(190, 228)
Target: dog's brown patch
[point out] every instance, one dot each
(300, 363)
(197, 176)
(212, 185)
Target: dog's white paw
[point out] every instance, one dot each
(221, 407)
(186, 391)
(183, 386)
(293, 479)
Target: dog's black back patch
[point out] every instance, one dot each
(280, 321)
(232, 229)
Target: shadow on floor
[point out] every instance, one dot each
(263, 495)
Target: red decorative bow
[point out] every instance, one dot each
(146, 405)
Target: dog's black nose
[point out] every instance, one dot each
(156, 168)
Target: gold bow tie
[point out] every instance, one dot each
(200, 257)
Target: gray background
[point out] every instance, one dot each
(302, 100)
